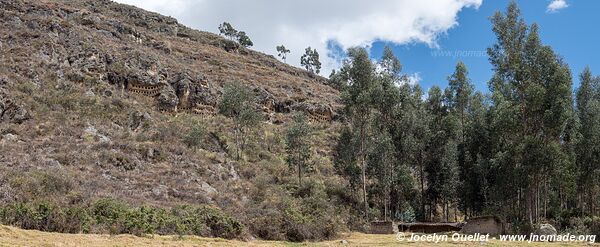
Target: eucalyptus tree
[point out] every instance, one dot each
(238, 102)
(282, 52)
(310, 60)
(227, 30)
(297, 145)
(532, 104)
(588, 145)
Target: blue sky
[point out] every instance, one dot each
(571, 31)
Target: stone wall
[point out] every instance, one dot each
(382, 227)
(485, 225)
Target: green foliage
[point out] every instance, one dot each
(45, 216)
(358, 98)
(390, 63)
(587, 148)
(231, 33)
(345, 157)
(282, 52)
(338, 79)
(243, 39)
(297, 145)
(227, 30)
(407, 214)
(238, 102)
(109, 212)
(310, 60)
(532, 100)
(116, 217)
(309, 215)
(196, 136)
(461, 89)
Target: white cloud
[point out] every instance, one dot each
(556, 5)
(315, 23)
(414, 78)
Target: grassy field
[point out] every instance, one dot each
(11, 236)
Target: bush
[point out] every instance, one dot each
(115, 217)
(77, 220)
(221, 225)
(206, 221)
(196, 136)
(305, 214)
(43, 216)
(186, 222)
(407, 214)
(146, 220)
(108, 211)
(578, 226)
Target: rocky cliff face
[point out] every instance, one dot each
(98, 95)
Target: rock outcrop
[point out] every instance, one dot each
(10, 111)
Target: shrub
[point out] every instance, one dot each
(578, 226)
(307, 214)
(77, 220)
(108, 215)
(221, 225)
(145, 220)
(206, 221)
(407, 214)
(108, 210)
(196, 136)
(116, 217)
(41, 215)
(186, 222)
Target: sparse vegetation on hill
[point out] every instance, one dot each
(118, 120)
(103, 102)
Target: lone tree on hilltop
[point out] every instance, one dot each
(231, 33)
(282, 52)
(228, 31)
(244, 40)
(310, 60)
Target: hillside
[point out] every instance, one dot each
(115, 120)
(97, 98)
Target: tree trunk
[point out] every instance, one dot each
(237, 143)
(455, 213)
(537, 201)
(385, 211)
(530, 204)
(364, 180)
(422, 177)
(545, 197)
(447, 211)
